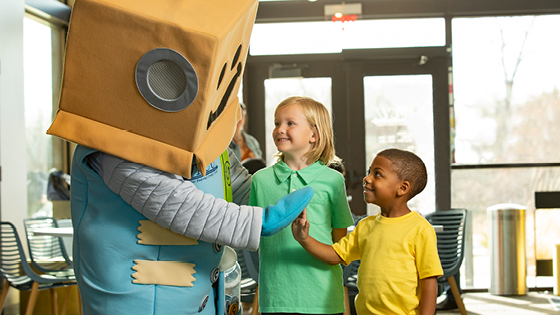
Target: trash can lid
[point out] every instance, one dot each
(506, 206)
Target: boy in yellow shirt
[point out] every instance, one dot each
(398, 247)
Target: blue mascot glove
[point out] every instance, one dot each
(285, 211)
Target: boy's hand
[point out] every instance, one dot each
(300, 227)
(321, 251)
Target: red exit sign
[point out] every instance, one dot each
(344, 18)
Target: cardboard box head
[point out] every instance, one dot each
(155, 82)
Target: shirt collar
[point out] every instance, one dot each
(308, 174)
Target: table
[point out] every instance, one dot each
(57, 232)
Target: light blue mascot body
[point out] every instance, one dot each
(106, 243)
(149, 95)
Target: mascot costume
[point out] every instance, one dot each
(149, 94)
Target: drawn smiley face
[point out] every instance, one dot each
(236, 66)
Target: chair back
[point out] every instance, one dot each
(253, 165)
(243, 264)
(450, 241)
(14, 266)
(248, 283)
(350, 274)
(47, 253)
(251, 263)
(19, 274)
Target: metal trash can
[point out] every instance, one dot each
(508, 260)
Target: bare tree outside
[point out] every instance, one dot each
(504, 111)
(507, 107)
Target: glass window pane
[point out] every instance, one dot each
(38, 102)
(478, 189)
(333, 37)
(276, 90)
(507, 103)
(401, 120)
(506, 110)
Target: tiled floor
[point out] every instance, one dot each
(534, 303)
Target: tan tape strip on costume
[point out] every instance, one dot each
(173, 273)
(153, 234)
(126, 145)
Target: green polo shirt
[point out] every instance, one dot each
(290, 279)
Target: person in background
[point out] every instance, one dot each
(291, 280)
(243, 144)
(338, 165)
(398, 248)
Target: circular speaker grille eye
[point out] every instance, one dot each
(167, 80)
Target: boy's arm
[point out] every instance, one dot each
(428, 296)
(323, 252)
(338, 233)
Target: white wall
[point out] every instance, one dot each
(13, 200)
(12, 125)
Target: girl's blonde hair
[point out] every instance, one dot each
(319, 119)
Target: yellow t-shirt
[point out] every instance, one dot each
(395, 254)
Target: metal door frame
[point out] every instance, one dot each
(347, 71)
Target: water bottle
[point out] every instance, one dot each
(233, 290)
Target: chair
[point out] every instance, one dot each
(249, 263)
(253, 165)
(450, 245)
(350, 282)
(47, 253)
(350, 277)
(18, 273)
(248, 284)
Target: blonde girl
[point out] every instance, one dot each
(291, 281)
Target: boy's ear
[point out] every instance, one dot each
(404, 188)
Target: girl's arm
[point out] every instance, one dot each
(323, 252)
(428, 296)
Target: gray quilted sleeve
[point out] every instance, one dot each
(175, 203)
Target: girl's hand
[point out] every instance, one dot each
(300, 227)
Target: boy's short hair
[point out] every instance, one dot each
(409, 167)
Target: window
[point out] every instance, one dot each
(331, 37)
(42, 70)
(276, 90)
(507, 108)
(404, 121)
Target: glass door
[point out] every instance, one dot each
(378, 99)
(398, 113)
(278, 89)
